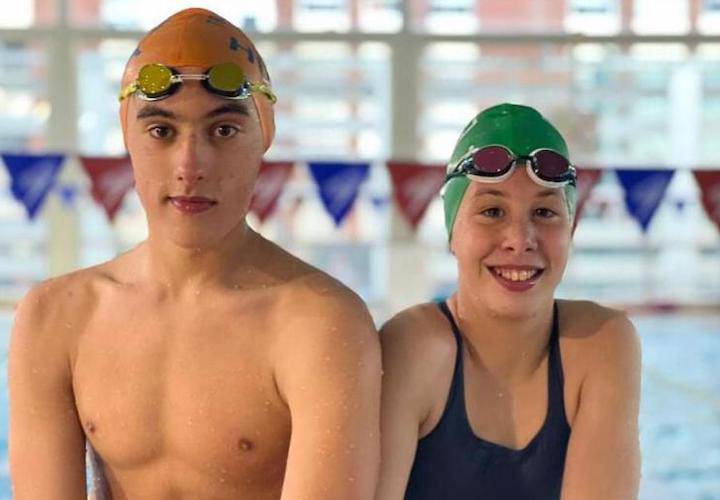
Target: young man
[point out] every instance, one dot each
(206, 362)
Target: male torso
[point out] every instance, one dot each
(178, 394)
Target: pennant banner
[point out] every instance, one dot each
(414, 187)
(586, 181)
(270, 183)
(709, 183)
(111, 180)
(644, 190)
(32, 178)
(339, 184)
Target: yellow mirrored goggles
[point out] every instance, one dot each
(227, 80)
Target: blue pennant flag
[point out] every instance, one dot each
(32, 178)
(339, 184)
(644, 190)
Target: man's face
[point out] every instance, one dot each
(195, 157)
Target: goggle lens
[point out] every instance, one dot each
(226, 77)
(549, 165)
(492, 160)
(154, 80)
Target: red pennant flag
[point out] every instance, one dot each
(270, 183)
(111, 179)
(709, 182)
(586, 181)
(414, 187)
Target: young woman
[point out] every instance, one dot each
(504, 392)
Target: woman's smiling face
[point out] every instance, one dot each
(512, 241)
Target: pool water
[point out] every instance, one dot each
(679, 411)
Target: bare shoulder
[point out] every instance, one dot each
(418, 352)
(306, 297)
(318, 316)
(582, 319)
(598, 338)
(418, 335)
(62, 298)
(50, 316)
(316, 299)
(325, 339)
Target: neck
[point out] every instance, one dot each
(179, 269)
(510, 348)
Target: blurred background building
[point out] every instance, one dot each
(631, 83)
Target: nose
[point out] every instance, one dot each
(190, 161)
(519, 236)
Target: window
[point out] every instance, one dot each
(24, 104)
(596, 17)
(321, 15)
(708, 21)
(661, 17)
(141, 15)
(28, 13)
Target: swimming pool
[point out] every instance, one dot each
(679, 412)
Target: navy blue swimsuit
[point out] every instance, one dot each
(452, 463)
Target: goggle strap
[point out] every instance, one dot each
(128, 91)
(264, 88)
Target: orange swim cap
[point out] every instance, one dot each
(199, 37)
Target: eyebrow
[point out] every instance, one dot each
(489, 192)
(152, 110)
(494, 192)
(237, 108)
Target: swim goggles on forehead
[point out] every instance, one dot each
(227, 80)
(496, 163)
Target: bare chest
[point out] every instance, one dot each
(193, 388)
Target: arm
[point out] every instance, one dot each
(400, 418)
(46, 441)
(329, 375)
(603, 458)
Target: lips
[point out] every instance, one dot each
(191, 204)
(516, 278)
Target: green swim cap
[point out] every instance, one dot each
(519, 128)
